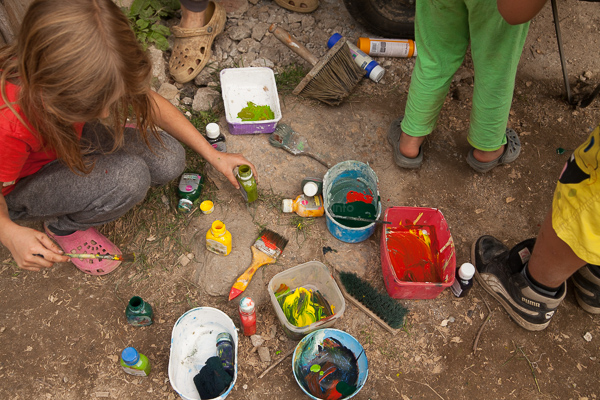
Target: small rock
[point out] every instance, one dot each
(588, 74)
(264, 354)
(238, 33)
(205, 99)
(168, 91)
(245, 387)
(257, 340)
(451, 319)
(587, 337)
(183, 260)
(282, 338)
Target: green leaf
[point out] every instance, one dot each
(142, 23)
(160, 41)
(160, 29)
(138, 5)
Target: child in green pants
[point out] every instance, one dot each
(443, 31)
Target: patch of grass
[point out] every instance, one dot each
(289, 77)
(202, 118)
(368, 337)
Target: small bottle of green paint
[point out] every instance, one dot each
(138, 312)
(189, 189)
(247, 183)
(135, 363)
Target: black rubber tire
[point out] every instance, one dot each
(386, 18)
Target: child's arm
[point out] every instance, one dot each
(177, 125)
(519, 11)
(24, 242)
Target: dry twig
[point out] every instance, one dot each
(288, 353)
(530, 367)
(426, 384)
(482, 326)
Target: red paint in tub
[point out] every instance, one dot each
(412, 253)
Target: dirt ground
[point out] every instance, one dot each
(61, 332)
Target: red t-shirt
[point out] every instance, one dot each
(21, 153)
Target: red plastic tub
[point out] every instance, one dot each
(443, 266)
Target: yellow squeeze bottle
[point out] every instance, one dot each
(218, 239)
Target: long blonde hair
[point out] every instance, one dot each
(74, 60)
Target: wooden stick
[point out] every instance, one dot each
(482, 326)
(286, 355)
(364, 308)
(426, 384)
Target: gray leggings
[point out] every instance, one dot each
(119, 180)
(194, 5)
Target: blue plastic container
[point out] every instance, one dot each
(308, 348)
(338, 181)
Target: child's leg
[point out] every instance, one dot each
(119, 180)
(442, 37)
(496, 49)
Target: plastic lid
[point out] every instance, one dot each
(466, 271)
(374, 71)
(310, 189)
(212, 130)
(130, 356)
(287, 205)
(207, 206)
(333, 40)
(247, 305)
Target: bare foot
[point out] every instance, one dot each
(487, 156)
(410, 145)
(191, 19)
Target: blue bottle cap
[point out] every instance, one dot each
(130, 356)
(333, 40)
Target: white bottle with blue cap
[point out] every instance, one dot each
(373, 70)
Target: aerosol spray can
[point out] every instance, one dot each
(388, 47)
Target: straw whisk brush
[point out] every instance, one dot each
(333, 78)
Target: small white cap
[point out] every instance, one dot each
(466, 271)
(287, 205)
(212, 130)
(377, 73)
(310, 189)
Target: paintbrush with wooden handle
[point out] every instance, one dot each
(115, 257)
(265, 250)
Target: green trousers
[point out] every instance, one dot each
(443, 29)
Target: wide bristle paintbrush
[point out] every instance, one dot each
(265, 250)
(331, 79)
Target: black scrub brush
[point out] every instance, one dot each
(387, 312)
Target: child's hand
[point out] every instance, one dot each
(225, 163)
(33, 250)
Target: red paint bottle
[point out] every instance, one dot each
(247, 316)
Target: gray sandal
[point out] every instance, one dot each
(401, 160)
(511, 152)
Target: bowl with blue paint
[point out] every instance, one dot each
(330, 364)
(193, 342)
(351, 192)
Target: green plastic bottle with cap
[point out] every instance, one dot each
(134, 362)
(247, 183)
(188, 190)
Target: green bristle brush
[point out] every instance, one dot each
(384, 310)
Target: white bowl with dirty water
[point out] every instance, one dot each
(193, 341)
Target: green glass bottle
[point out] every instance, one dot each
(189, 189)
(135, 363)
(138, 312)
(247, 183)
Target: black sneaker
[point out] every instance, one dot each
(587, 288)
(498, 271)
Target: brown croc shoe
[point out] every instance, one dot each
(192, 46)
(302, 6)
